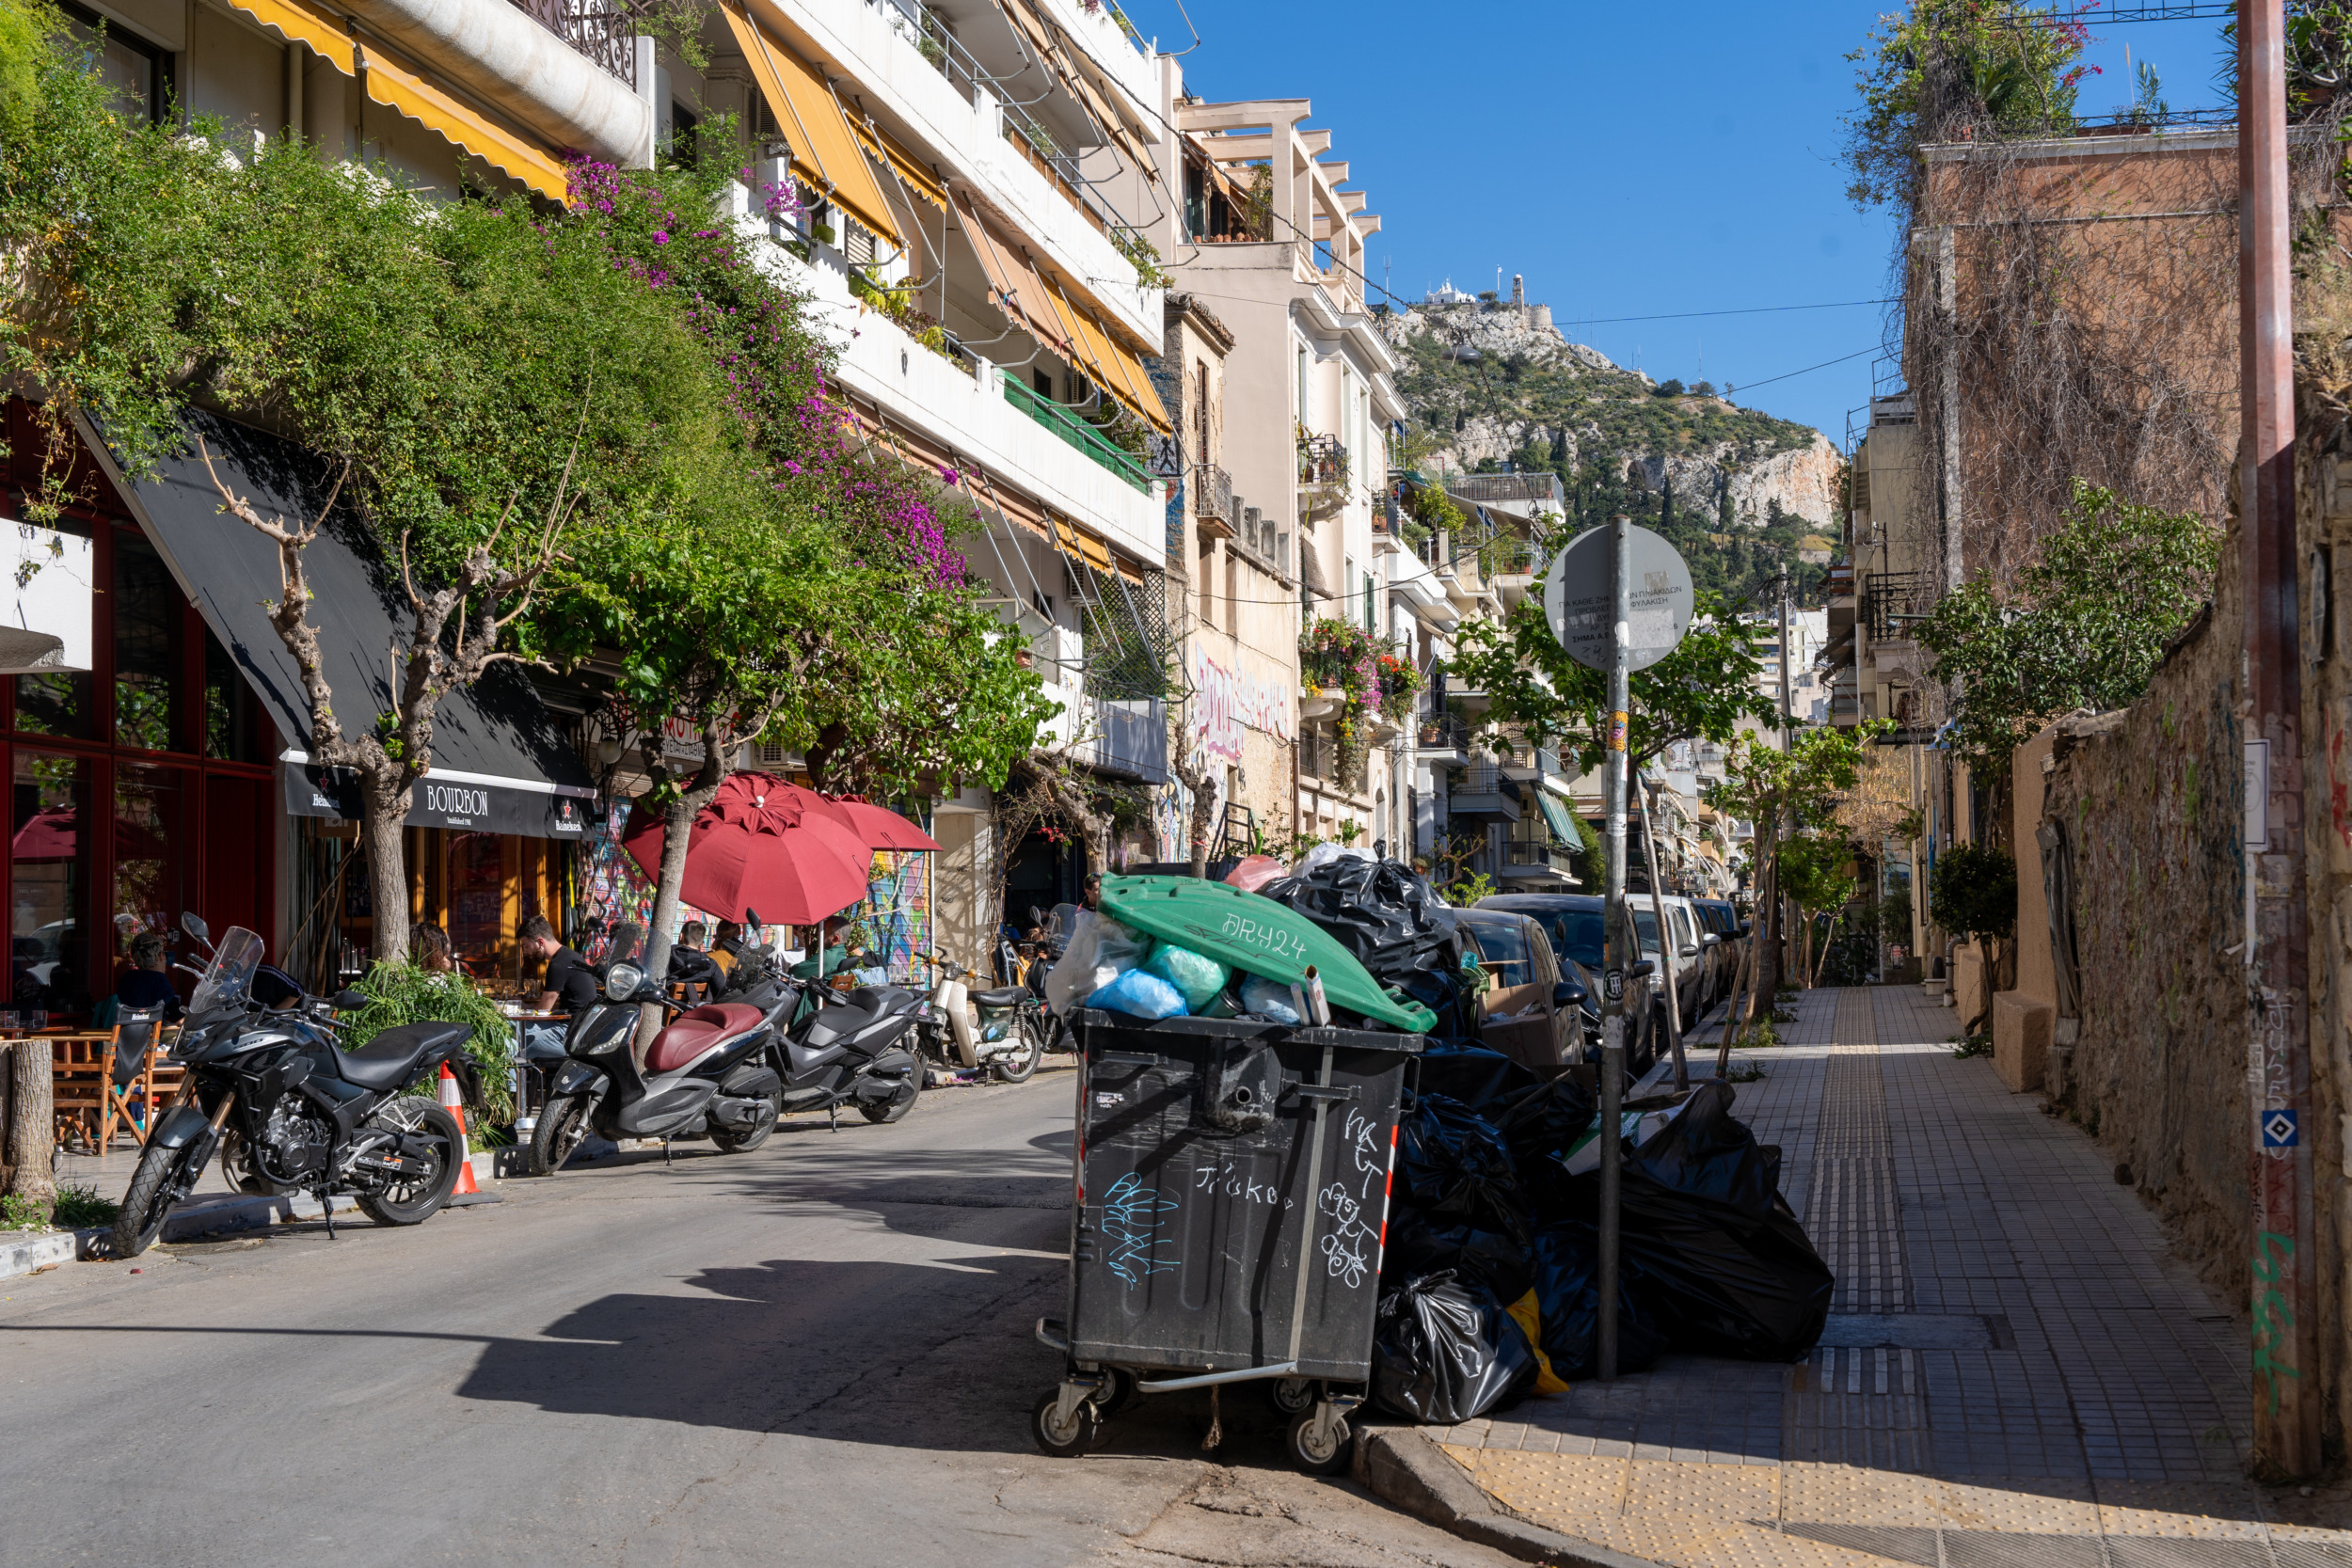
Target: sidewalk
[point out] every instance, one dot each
(2014, 1371)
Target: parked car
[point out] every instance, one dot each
(1572, 923)
(1724, 920)
(1519, 952)
(1683, 951)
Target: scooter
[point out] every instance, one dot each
(706, 1073)
(1000, 1027)
(852, 1050)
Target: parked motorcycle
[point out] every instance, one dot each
(1000, 1027)
(305, 1114)
(852, 1049)
(706, 1073)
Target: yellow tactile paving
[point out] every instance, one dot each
(2180, 1509)
(1698, 1516)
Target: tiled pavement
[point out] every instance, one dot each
(2014, 1369)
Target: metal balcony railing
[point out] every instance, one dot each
(1444, 732)
(603, 30)
(1889, 598)
(1213, 494)
(1524, 850)
(1544, 487)
(1079, 434)
(1322, 461)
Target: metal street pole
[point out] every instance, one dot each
(1623, 953)
(2285, 1299)
(1667, 953)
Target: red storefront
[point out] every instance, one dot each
(140, 788)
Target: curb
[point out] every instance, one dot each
(32, 1254)
(1410, 1471)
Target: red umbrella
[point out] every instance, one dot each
(767, 845)
(879, 827)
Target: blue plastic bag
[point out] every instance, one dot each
(1196, 974)
(1139, 993)
(1268, 999)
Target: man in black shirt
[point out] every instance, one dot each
(570, 985)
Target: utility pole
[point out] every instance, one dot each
(2276, 952)
(1622, 951)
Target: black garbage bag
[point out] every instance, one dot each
(1385, 914)
(1444, 1351)
(1568, 1305)
(1484, 1079)
(1548, 1117)
(1421, 1243)
(1714, 1253)
(1453, 1162)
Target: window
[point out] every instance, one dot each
(1302, 384)
(1372, 614)
(48, 942)
(132, 69)
(147, 616)
(1044, 382)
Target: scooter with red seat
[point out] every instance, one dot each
(706, 1074)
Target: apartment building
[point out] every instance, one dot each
(1250, 213)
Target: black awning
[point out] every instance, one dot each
(501, 763)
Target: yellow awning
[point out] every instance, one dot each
(824, 150)
(397, 86)
(1081, 85)
(883, 149)
(1092, 551)
(1111, 367)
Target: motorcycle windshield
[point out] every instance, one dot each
(230, 977)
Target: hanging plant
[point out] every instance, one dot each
(1401, 687)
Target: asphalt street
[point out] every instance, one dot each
(819, 1352)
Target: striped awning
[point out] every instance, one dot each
(825, 151)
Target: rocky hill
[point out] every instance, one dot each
(1740, 491)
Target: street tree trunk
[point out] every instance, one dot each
(677, 822)
(1197, 778)
(33, 1122)
(1768, 924)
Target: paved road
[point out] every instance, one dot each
(816, 1352)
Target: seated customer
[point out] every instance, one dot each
(144, 987)
(429, 944)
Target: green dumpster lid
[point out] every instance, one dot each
(1257, 936)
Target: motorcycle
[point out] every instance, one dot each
(706, 1073)
(852, 1050)
(293, 1110)
(1001, 1028)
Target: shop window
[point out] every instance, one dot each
(152, 836)
(50, 858)
(477, 902)
(146, 620)
(131, 69)
(232, 719)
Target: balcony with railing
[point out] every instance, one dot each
(1891, 601)
(1078, 433)
(1322, 463)
(605, 31)
(1485, 793)
(1531, 854)
(1213, 506)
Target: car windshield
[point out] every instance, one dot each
(1502, 942)
(1646, 922)
(1576, 935)
(229, 975)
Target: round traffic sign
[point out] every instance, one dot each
(1578, 599)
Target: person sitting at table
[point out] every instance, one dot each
(692, 969)
(429, 944)
(144, 987)
(830, 950)
(570, 985)
(729, 946)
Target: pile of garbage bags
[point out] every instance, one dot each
(1490, 1286)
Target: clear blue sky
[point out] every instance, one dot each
(1629, 160)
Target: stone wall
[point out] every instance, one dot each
(2152, 801)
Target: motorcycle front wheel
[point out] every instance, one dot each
(1021, 1066)
(148, 1203)
(415, 1200)
(562, 1127)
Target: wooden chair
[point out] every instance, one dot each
(131, 1072)
(78, 1086)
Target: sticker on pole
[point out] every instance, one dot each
(1579, 599)
(2279, 1129)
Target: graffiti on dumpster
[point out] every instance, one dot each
(1343, 1244)
(2274, 1321)
(1131, 1214)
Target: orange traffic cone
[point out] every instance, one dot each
(456, 1107)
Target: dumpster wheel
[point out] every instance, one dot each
(1318, 1440)
(1063, 1436)
(1290, 1395)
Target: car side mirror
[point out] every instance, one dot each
(1712, 938)
(1645, 967)
(347, 1001)
(1567, 994)
(1690, 953)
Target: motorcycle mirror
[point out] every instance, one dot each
(622, 981)
(192, 923)
(751, 918)
(348, 1001)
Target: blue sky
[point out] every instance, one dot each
(1630, 160)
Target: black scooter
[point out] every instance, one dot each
(852, 1050)
(705, 1073)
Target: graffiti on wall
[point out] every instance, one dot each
(1225, 702)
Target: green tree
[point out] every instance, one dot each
(1723, 506)
(1817, 876)
(1701, 690)
(2083, 625)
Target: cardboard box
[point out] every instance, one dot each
(1532, 1042)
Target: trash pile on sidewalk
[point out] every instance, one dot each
(1490, 1286)
(1490, 1277)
